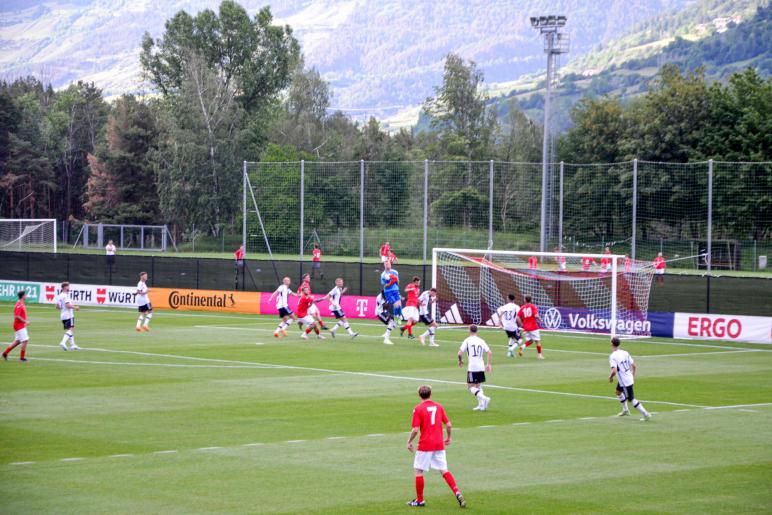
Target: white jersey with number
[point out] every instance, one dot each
(476, 348)
(379, 302)
(62, 300)
(142, 293)
(623, 362)
(508, 316)
(335, 295)
(282, 296)
(424, 303)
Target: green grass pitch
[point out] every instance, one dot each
(210, 413)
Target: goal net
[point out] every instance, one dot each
(23, 235)
(596, 293)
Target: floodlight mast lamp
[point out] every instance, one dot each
(555, 43)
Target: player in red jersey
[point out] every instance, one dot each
(533, 263)
(20, 328)
(628, 264)
(605, 262)
(587, 262)
(385, 251)
(428, 418)
(413, 291)
(659, 268)
(304, 305)
(560, 260)
(313, 311)
(316, 261)
(528, 318)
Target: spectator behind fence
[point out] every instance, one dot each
(110, 253)
(239, 255)
(316, 261)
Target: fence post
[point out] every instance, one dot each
(244, 207)
(635, 208)
(560, 210)
(302, 212)
(490, 204)
(426, 204)
(361, 223)
(709, 257)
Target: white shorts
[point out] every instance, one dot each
(659, 271)
(410, 313)
(531, 336)
(313, 310)
(384, 259)
(308, 320)
(605, 268)
(430, 459)
(21, 335)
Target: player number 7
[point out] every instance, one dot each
(433, 411)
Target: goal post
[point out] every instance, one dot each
(28, 234)
(595, 293)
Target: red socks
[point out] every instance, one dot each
(448, 477)
(10, 348)
(23, 351)
(419, 488)
(528, 343)
(409, 328)
(538, 348)
(308, 330)
(316, 330)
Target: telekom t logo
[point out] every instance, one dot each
(362, 307)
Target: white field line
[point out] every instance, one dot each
(548, 350)
(333, 438)
(252, 320)
(386, 376)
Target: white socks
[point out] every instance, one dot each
(68, 336)
(139, 321)
(637, 405)
(147, 319)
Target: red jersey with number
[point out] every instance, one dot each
(317, 255)
(429, 418)
(303, 304)
(20, 310)
(413, 291)
(533, 262)
(385, 250)
(587, 262)
(605, 262)
(659, 263)
(528, 314)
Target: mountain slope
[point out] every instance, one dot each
(379, 55)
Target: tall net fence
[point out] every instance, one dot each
(696, 214)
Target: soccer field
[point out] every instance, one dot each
(210, 413)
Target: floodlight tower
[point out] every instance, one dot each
(555, 43)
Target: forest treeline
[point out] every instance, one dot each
(227, 87)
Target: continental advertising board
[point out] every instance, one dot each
(206, 300)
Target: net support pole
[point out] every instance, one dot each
(426, 209)
(244, 207)
(709, 257)
(490, 204)
(302, 213)
(361, 224)
(361, 210)
(614, 268)
(560, 211)
(55, 236)
(634, 221)
(434, 281)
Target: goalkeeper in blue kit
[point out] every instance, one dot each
(390, 284)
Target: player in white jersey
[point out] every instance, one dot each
(475, 347)
(334, 297)
(425, 315)
(144, 306)
(508, 321)
(383, 312)
(623, 367)
(66, 306)
(282, 294)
